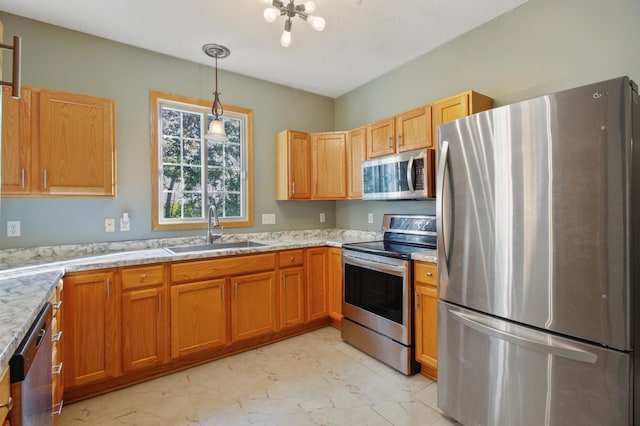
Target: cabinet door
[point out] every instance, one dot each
(77, 144)
(293, 165)
(413, 129)
(16, 143)
(91, 318)
(198, 317)
(458, 106)
(426, 318)
(329, 157)
(144, 328)
(335, 284)
(381, 138)
(316, 283)
(356, 153)
(253, 305)
(291, 297)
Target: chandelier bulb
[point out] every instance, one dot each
(309, 6)
(285, 40)
(271, 14)
(316, 22)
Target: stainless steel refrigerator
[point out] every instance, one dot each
(538, 246)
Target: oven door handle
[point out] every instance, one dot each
(376, 266)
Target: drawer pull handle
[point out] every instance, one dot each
(57, 337)
(429, 274)
(293, 259)
(143, 276)
(56, 370)
(57, 409)
(57, 305)
(8, 405)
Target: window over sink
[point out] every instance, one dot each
(190, 173)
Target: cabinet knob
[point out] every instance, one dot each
(143, 276)
(292, 259)
(429, 274)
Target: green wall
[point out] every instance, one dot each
(71, 61)
(540, 47)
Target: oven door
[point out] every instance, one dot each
(377, 293)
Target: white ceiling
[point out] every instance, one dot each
(363, 39)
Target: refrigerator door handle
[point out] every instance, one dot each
(440, 225)
(533, 339)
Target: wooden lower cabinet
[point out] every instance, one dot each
(316, 263)
(145, 318)
(335, 285)
(426, 318)
(198, 317)
(253, 311)
(57, 364)
(92, 327)
(126, 325)
(5, 393)
(291, 297)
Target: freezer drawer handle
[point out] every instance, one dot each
(535, 340)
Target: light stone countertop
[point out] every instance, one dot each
(28, 276)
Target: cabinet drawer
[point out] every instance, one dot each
(216, 268)
(4, 392)
(143, 276)
(290, 258)
(425, 273)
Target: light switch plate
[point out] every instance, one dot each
(322, 218)
(370, 217)
(269, 219)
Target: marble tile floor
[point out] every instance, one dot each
(311, 379)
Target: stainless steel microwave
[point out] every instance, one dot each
(403, 176)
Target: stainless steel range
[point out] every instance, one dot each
(378, 290)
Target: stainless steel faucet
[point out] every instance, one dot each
(213, 214)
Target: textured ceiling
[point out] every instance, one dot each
(363, 39)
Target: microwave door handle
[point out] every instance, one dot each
(410, 175)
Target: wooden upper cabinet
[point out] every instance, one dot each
(293, 165)
(413, 129)
(458, 106)
(356, 153)
(329, 171)
(57, 144)
(16, 143)
(381, 138)
(408, 131)
(77, 144)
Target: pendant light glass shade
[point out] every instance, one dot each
(216, 131)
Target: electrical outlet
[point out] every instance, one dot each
(269, 219)
(370, 217)
(13, 228)
(322, 218)
(109, 225)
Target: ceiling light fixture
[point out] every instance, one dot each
(216, 127)
(278, 8)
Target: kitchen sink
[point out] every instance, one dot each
(213, 246)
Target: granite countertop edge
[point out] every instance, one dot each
(28, 276)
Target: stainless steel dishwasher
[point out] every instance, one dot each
(30, 371)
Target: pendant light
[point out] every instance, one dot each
(216, 130)
(303, 11)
